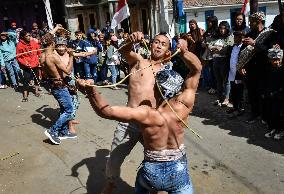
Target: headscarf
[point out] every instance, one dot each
(258, 15)
(169, 81)
(275, 53)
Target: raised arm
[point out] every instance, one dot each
(57, 27)
(130, 56)
(192, 80)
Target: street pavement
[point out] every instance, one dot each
(232, 157)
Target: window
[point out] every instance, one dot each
(92, 20)
(263, 9)
(207, 14)
(81, 23)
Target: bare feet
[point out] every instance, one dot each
(71, 127)
(108, 188)
(75, 122)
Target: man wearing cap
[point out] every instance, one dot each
(29, 62)
(56, 69)
(8, 42)
(272, 94)
(141, 91)
(61, 51)
(162, 131)
(255, 69)
(92, 44)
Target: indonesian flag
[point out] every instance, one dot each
(121, 13)
(246, 7)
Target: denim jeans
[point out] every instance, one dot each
(2, 78)
(171, 177)
(91, 71)
(79, 70)
(114, 72)
(104, 71)
(126, 136)
(66, 109)
(14, 71)
(75, 103)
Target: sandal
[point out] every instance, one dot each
(25, 100)
(3, 86)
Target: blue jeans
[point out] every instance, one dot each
(171, 177)
(2, 77)
(75, 103)
(66, 109)
(104, 72)
(114, 72)
(91, 71)
(13, 70)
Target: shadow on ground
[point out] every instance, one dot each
(45, 116)
(97, 179)
(217, 116)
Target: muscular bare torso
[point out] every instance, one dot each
(49, 67)
(167, 131)
(142, 85)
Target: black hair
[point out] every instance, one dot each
(212, 31)
(227, 27)
(196, 34)
(244, 24)
(166, 35)
(78, 32)
(7, 38)
(120, 30)
(23, 33)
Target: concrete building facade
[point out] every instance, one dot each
(224, 10)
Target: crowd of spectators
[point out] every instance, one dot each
(218, 47)
(255, 88)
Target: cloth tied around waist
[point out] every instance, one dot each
(164, 155)
(56, 83)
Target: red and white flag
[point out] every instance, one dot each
(246, 7)
(121, 13)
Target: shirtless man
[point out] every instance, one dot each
(162, 131)
(55, 69)
(64, 55)
(140, 92)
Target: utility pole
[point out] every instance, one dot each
(253, 6)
